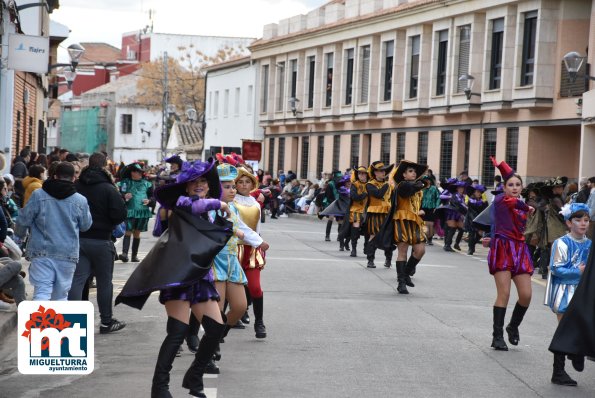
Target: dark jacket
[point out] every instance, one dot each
(107, 207)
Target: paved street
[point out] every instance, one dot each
(335, 329)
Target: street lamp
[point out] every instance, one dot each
(293, 102)
(143, 131)
(75, 52)
(469, 81)
(573, 62)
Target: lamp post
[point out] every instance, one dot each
(143, 131)
(573, 62)
(75, 52)
(469, 81)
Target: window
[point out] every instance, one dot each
(354, 150)
(336, 151)
(365, 76)
(400, 146)
(422, 147)
(528, 66)
(489, 149)
(512, 147)
(226, 103)
(328, 89)
(216, 105)
(265, 89)
(280, 86)
(311, 73)
(496, 54)
(271, 155)
(236, 106)
(249, 100)
(126, 123)
(446, 154)
(349, 78)
(320, 157)
(293, 71)
(281, 154)
(387, 77)
(305, 157)
(467, 148)
(385, 148)
(210, 104)
(442, 61)
(464, 55)
(414, 72)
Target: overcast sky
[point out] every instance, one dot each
(106, 20)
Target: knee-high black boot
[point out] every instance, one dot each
(410, 270)
(448, 239)
(513, 327)
(176, 331)
(472, 242)
(388, 258)
(208, 344)
(338, 228)
(371, 254)
(498, 334)
(354, 238)
(259, 328)
(125, 246)
(458, 239)
(329, 225)
(192, 335)
(559, 376)
(135, 245)
(402, 285)
(544, 261)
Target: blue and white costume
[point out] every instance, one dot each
(567, 254)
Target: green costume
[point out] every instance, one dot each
(138, 213)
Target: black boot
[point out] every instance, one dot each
(513, 327)
(259, 328)
(559, 376)
(544, 261)
(498, 342)
(329, 225)
(176, 331)
(346, 244)
(125, 246)
(208, 344)
(135, 244)
(578, 362)
(192, 335)
(388, 258)
(448, 239)
(410, 270)
(341, 246)
(354, 238)
(472, 242)
(402, 285)
(458, 239)
(371, 254)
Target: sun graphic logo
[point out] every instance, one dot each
(56, 337)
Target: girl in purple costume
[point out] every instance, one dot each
(509, 258)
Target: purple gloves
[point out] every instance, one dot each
(198, 206)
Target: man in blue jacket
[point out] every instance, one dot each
(55, 214)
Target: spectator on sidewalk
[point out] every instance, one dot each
(19, 172)
(33, 181)
(55, 214)
(97, 251)
(12, 285)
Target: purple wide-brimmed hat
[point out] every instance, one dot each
(168, 195)
(476, 187)
(452, 187)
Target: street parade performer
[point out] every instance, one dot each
(475, 205)
(379, 194)
(164, 178)
(339, 209)
(567, 265)
(509, 258)
(404, 226)
(359, 199)
(179, 266)
(251, 259)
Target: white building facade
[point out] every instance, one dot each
(231, 112)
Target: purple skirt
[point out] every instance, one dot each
(199, 292)
(452, 215)
(509, 255)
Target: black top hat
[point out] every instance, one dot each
(420, 169)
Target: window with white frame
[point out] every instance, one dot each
(311, 66)
(249, 100)
(126, 123)
(216, 105)
(442, 62)
(293, 78)
(529, 32)
(265, 89)
(463, 56)
(226, 103)
(414, 66)
(280, 86)
(210, 104)
(365, 74)
(497, 48)
(328, 89)
(236, 107)
(349, 54)
(388, 48)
